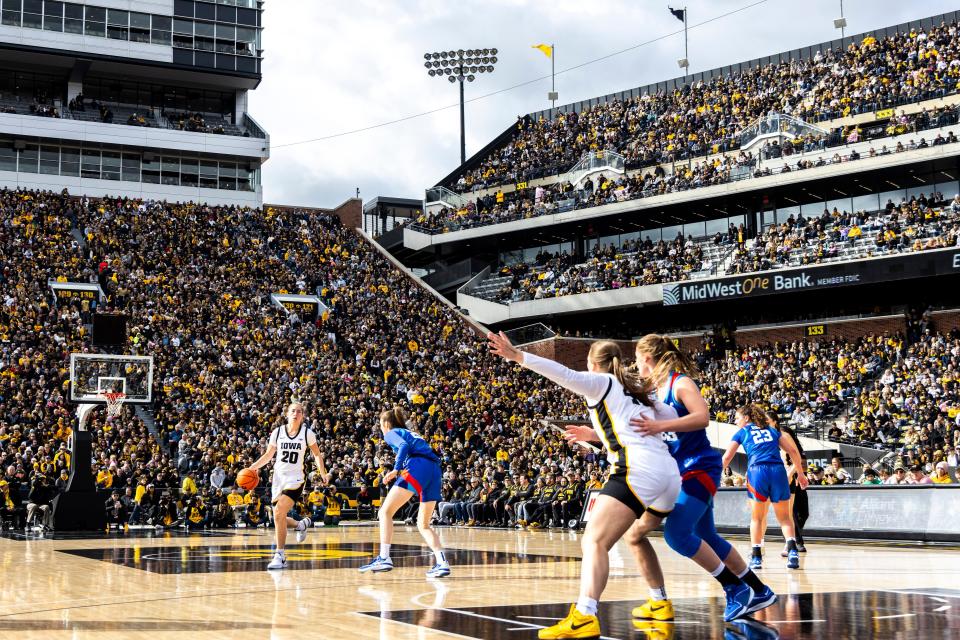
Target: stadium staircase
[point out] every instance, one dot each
(147, 415)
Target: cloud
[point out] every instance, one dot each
(330, 68)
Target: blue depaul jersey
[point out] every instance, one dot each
(405, 445)
(691, 449)
(761, 444)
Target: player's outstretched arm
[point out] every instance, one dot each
(697, 418)
(591, 386)
(265, 458)
(318, 459)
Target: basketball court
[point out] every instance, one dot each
(505, 584)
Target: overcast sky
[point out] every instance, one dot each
(331, 67)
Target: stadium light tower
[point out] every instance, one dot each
(841, 22)
(460, 66)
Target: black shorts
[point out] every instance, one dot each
(616, 487)
(294, 494)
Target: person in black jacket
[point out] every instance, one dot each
(39, 498)
(568, 502)
(116, 512)
(521, 493)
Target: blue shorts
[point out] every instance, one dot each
(423, 477)
(768, 482)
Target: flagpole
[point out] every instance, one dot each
(553, 77)
(686, 54)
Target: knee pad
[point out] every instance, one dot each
(680, 537)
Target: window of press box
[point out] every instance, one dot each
(33, 14)
(96, 21)
(73, 18)
(10, 10)
(53, 15)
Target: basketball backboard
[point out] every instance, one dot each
(93, 374)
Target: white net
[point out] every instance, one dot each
(114, 402)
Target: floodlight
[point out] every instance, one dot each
(452, 79)
(471, 78)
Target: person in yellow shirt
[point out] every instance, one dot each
(236, 504)
(9, 511)
(189, 486)
(941, 474)
(315, 501)
(104, 479)
(331, 500)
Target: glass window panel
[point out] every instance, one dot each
(183, 26)
(841, 204)
(69, 162)
(170, 170)
(205, 11)
(71, 10)
(139, 27)
(163, 23)
(669, 233)
(131, 168)
(226, 32)
(895, 196)
(226, 46)
(203, 44)
(714, 227)
(229, 184)
(226, 14)
(49, 160)
(117, 33)
(118, 18)
(53, 15)
(28, 159)
(812, 209)
(90, 163)
(228, 169)
(140, 20)
(73, 25)
(96, 14)
(243, 178)
(948, 189)
(189, 172)
(8, 156)
(111, 166)
(695, 229)
(868, 203)
(160, 37)
(205, 29)
(33, 14)
(182, 41)
(653, 235)
(11, 12)
(94, 27)
(150, 171)
(208, 175)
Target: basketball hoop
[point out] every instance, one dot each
(114, 402)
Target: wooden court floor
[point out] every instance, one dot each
(505, 584)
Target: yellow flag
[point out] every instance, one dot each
(545, 48)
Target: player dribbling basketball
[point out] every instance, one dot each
(289, 444)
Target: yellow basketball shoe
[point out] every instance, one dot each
(575, 625)
(655, 629)
(661, 610)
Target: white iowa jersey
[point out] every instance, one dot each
(291, 454)
(611, 419)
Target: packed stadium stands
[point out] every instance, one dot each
(705, 117)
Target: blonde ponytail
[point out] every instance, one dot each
(609, 358)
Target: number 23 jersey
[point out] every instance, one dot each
(291, 454)
(762, 445)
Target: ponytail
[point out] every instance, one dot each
(608, 356)
(396, 417)
(755, 414)
(666, 356)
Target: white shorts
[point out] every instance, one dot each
(644, 480)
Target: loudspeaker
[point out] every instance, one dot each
(109, 329)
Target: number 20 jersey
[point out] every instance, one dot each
(291, 453)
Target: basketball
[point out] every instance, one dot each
(247, 479)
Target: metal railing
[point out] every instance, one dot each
(777, 125)
(593, 162)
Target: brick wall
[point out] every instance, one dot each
(842, 329)
(572, 352)
(946, 321)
